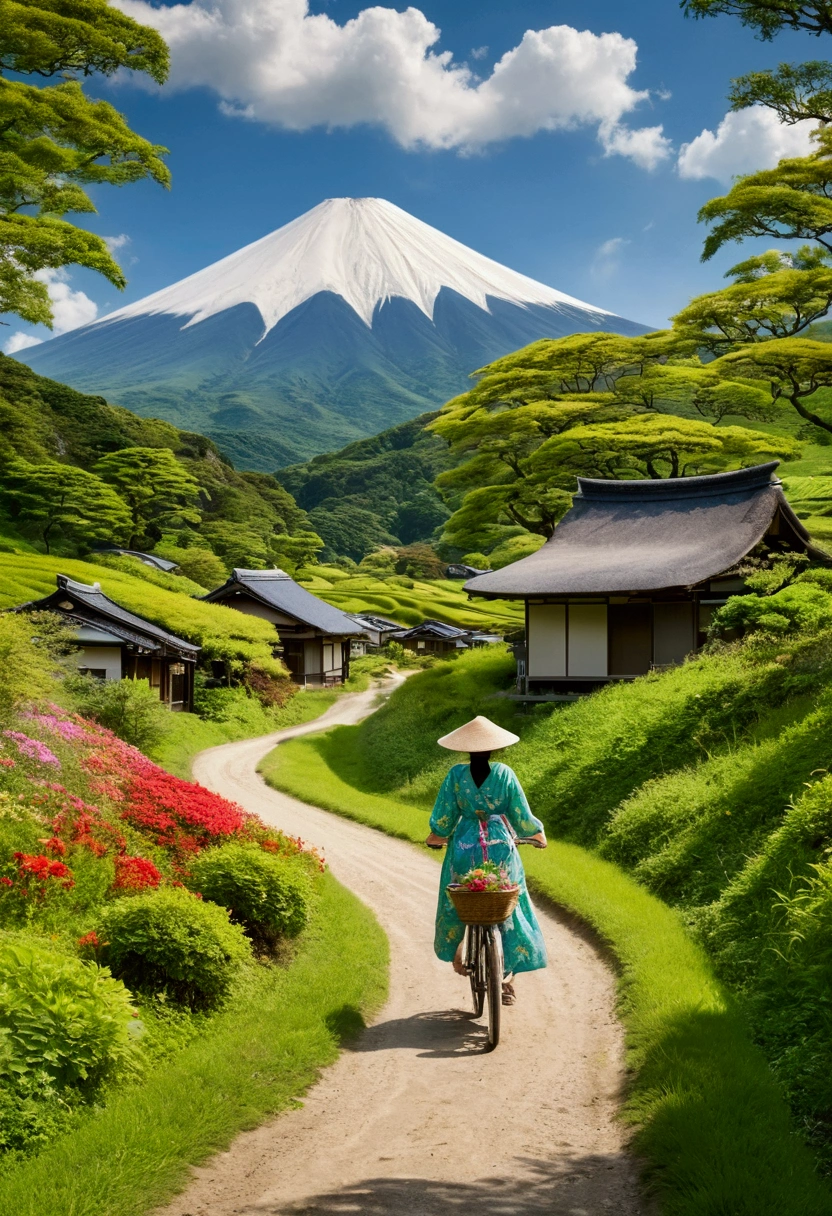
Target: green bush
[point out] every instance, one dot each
(802, 607)
(61, 1020)
(266, 894)
(131, 709)
(169, 941)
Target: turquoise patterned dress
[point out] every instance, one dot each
(459, 811)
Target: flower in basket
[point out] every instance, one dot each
(487, 877)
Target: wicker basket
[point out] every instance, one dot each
(484, 907)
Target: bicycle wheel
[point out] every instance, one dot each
(475, 962)
(493, 951)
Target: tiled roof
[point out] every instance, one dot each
(276, 589)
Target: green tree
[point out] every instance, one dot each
(794, 369)
(656, 446)
(768, 17)
(795, 91)
(792, 201)
(774, 295)
(57, 500)
(159, 491)
(596, 404)
(55, 141)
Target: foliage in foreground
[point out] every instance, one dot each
(96, 848)
(251, 1060)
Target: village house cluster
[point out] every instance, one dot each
(628, 583)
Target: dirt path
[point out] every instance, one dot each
(414, 1118)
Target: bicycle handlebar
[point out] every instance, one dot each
(517, 840)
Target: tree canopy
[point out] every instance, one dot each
(768, 17)
(54, 140)
(774, 295)
(793, 368)
(159, 492)
(594, 405)
(792, 201)
(55, 500)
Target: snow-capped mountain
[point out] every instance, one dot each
(347, 320)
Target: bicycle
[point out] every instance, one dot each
(484, 964)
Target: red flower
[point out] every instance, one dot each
(41, 869)
(135, 874)
(91, 940)
(7, 882)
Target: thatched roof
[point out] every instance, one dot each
(629, 536)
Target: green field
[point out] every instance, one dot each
(441, 599)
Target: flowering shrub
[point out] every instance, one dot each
(487, 877)
(33, 748)
(36, 871)
(135, 874)
(167, 941)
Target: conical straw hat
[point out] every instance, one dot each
(478, 735)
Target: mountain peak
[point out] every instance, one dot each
(366, 250)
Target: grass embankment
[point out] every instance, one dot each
(260, 1053)
(223, 633)
(712, 1122)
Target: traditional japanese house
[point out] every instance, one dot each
(377, 631)
(434, 637)
(115, 644)
(634, 571)
(314, 636)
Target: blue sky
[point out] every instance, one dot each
(589, 208)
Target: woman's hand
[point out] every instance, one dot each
(436, 842)
(540, 840)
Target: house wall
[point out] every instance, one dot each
(547, 641)
(584, 640)
(100, 658)
(586, 646)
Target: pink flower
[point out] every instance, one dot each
(33, 748)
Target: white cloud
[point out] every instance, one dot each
(479, 52)
(114, 243)
(69, 310)
(607, 258)
(745, 142)
(647, 146)
(272, 61)
(19, 341)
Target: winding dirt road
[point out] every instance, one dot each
(414, 1118)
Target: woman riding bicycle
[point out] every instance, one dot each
(479, 810)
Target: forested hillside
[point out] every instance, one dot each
(374, 492)
(78, 471)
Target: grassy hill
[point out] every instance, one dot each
(223, 633)
(410, 601)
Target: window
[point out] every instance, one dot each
(97, 673)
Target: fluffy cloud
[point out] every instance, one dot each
(744, 142)
(19, 341)
(69, 310)
(271, 60)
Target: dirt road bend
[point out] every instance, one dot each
(414, 1118)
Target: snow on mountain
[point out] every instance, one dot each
(350, 319)
(365, 250)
